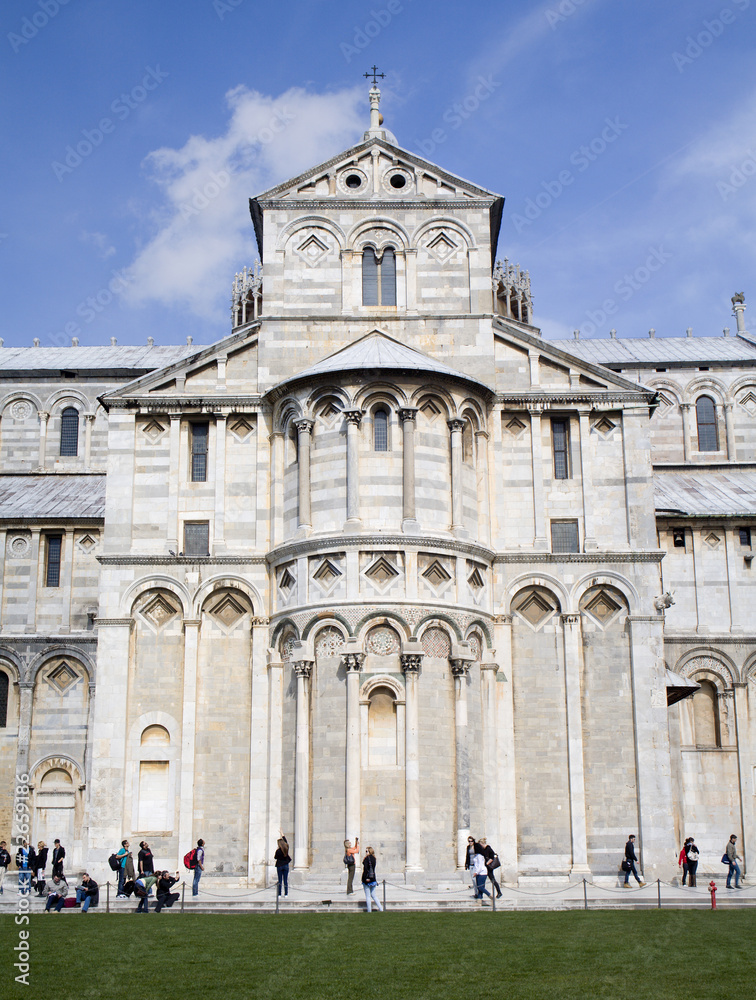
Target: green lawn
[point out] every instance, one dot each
(635, 955)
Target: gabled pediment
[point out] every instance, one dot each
(227, 367)
(399, 175)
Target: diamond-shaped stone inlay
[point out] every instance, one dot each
(535, 609)
(329, 641)
(326, 573)
(476, 580)
(154, 430)
(516, 426)
(287, 581)
(664, 403)
(749, 402)
(383, 641)
(604, 425)
(442, 247)
(712, 539)
(436, 574)
(435, 642)
(228, 611)
(430, 409)
(329, 412)
(381, 571)
(159, 611)
(241, 428)
(313, 250)
(603, 607)
(62, 676)
(87, 543)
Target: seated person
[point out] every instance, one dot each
(87, 893)
(164, 895)
(56, 894)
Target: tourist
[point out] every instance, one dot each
(145, 860)
(282, 861)
(40, 864)
(732, 859)
(682, 861)
(199, 866)
(492, 863)
(5, 860)
(165, 897)
(349, 861)
(57, 858)
(472, 848)
(56, 895)
(630, 862)
(88, 893)
(481, 874)
(123, 856)
(369, 882)
(142, 889)
(693, 855)
(25, 865)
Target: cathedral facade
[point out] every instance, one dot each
(382, 562)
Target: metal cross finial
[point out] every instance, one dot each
(374, 73)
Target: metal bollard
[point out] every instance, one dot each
(183, 890)
(384, 895)
(107, 897)
(658, 894)
(585, 895)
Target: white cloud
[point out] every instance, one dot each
(202, 229)
(103, 245)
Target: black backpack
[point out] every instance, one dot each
(139, 891)
(114, 862)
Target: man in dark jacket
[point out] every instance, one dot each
(57, 858)
(630, 862)
(164, 895)
(490, 857)
(87, 893)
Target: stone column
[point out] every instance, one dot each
(586, 475)
(505, 747)
(172, 541)
(539, 541)
(456, 427)
(746, 763)
(348, 302)
(92, 690)
(26, 700)
(353, 664)
(719, 410)
(188, 733)
(219, 528)
(685, 410)
(578, 824)
(304, 437)
(66, 578)
(353, 419)
(484, 503)
(275, 750)
(410, 523)
(410, 257)
(730, 433)
(276, 440)
(107, 788)
(303, 670)
(88, 423)
(257, 846)
(34, 573)
(652, 763)
(460, 671)
(43, 418)
(488, 672)
(411, 667)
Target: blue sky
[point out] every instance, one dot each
(622, 135)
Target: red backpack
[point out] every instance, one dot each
(190, 858)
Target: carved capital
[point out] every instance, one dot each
(353, 662)
(259, 621)
(304, 426)
(407, 413)
(570, 620)
(302, 668)
(502, 619)
(460, 668)
(456, 425)
(353, 416)
(411, 662)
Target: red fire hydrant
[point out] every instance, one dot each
(713, 891)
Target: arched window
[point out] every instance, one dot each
(380, 430)
(382, 728)
(69, 431)
(706, 416)
(706, 715)
(379, 277)
(4, 686)
(155, 736)
(467, 443)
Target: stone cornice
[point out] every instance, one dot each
(206, 404)
(355, 205)
(68, 639)
(73, 522)
(579, 557)
(167, 560)
(381, 605)
(291, 550)
(701, 639)
(549, 398)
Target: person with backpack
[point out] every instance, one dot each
(199, 866)
(122, 856)
(491, 859)
(731, 857)
(349, 861)
(369, 881)
(693, 855)
(142, 888)
(630, 862)
(682, 861)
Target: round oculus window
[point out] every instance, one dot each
(353, 181)
(398, 181)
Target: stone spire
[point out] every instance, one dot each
(376, 130)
